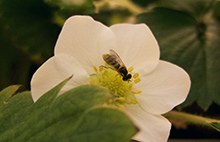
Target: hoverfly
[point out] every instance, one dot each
(116, 63)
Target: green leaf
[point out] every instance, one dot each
(217, 10)
(7, 93)
(13, 111)
(94, 119)
(191, 44)
(49, 96)
(196, 8)
(63, 9)
(21, 105)
(77, 115)
(216, 125)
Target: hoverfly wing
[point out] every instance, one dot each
(117, 57)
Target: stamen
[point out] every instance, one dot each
(130, 69)
(105, 105)
(135, 75)
(108, 77)
(134, 102)
(92, 82)
(121, 106)
(106, 64)
(101, 68)
(110, 100)
(136, 91)
(105, 73)
(121, 98)
(95, 69)
(137, 80)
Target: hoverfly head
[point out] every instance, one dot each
(127, 77)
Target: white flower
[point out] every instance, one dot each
(154, 89)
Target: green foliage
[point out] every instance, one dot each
(216, 10)
(196, 8)
(84, 6)
(188, 35)
(27, 36)
(143, 2)
(30, 25)
(63, 9)
(28, 33)
(76, 115)
(216, 125)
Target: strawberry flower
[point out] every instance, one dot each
(154, 88)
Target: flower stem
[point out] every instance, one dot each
(186, 119)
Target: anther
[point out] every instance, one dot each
(101, 68)
(136, 91)
(95, 69)
(134, 102)
(106, 64)
(105, 72)
(130, 69)
(108, 77)
(110, 100)
(121, 98)
(105, 105)
(135, 75)
(137, 80)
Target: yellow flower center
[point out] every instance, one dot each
(111, 79)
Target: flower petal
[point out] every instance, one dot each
(86, 40)
(153, 128)
(137, 46)
(55, 70)
(163, 89)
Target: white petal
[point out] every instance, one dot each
(86, 40)
(164, 88)
(54, 71)
(153, 128)
(137, 46)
